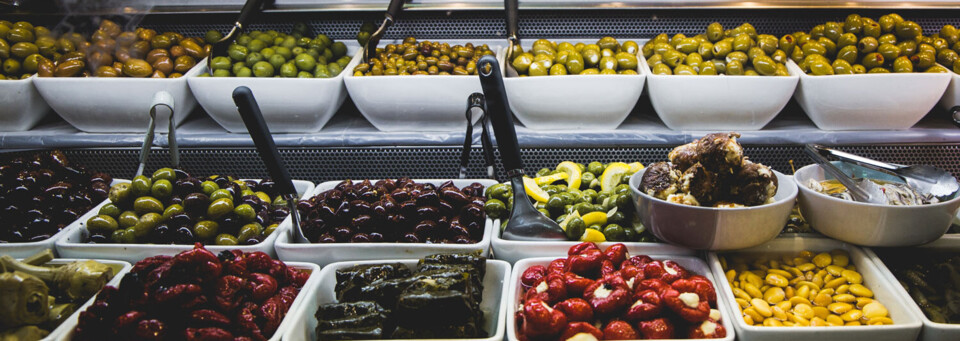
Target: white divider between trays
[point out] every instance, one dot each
(693, 264)
(932, 331)
(906, 324)
(21, 106)
(67, 326)
(19, 250)
(74, 245)
(326, 253)
(494, 304)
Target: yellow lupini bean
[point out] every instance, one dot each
(822, 299)
(772, 322)
(776, 279)
(879, 320)
(839, 307)
(797, 300)
(852, 315)
(834, 320)
(853, 323)
(852, 277)
(773, 295)
(822, 260)
(874, 309)
(835, 283)
(821, 312)
(860, 290)
(740, 293)
(835, 270)
(742, 303)
(754, 314)
(784, 273)
(748, 320)
(840, 258)
(806, 267)
(731, 275)
(843, 289)
(752, 290)
(804, 311)
(803, 292)
(761, 307)
(863, 301)
(785, 305)
(846, 298)
(817, 322)
(779, 313)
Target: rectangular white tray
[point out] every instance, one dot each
(906, 325)
(73, 244)
(326, 253)
(494, 305)
(693, 264)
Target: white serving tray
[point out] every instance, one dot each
(718, 102)
(289, 105)
(326, 253)
(116, 104)
(74, 243)
(693, 264)
(868, 101)
(416, 103)
(951, 97)
(932, 331)
(906, 324)
(21, 106)
(22, 250)
(309, 290)
(494, 305)
(572, 102)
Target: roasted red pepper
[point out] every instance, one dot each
(557, 267)
(607, 268)
(532, 275)
(687, 305)
(586, 263)
(550, 291)
(127, 322)
(619, 330)
(628, 271)
(151, 330)
(576, 310)
(228, 291)
(181, 295)
(708, 329)
(261, 286)
(608, 295)
(616, 253)
(639, 260)
(660, 328)
(207, 334)
(654, 284)
(145, 266)
(574, 328)
(540, 322)
(246, 321)
(579, 248)
(576, 284)
(272, 312)
(208, 318)
(672, 271)
(201, 262)
(699, 285)
(646, 305)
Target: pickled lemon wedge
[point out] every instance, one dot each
(563, 224)
(595, 218)
(612, 175)
(549, 179)
(635, 167)
(591, 235)
(573, 173)
(534, 190)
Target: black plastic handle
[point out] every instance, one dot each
(253, 119)
(393, 10)
(249, 8)
(498, 108)
(513, 18)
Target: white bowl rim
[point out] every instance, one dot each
(789, 197)
(875, 75)
(857, 203)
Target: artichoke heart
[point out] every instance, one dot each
(23, 300)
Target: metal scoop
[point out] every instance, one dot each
(513, 33)
(862, 190)
(253, 119)
(925, 179)
(219, 48)
(370, 48)
(526, 223)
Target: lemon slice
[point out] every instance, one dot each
(549, 179)
(591, 235)
(534, 190)
(595, 218)
(612, 175)
(635, 167)
(573, 171)
(563, 224)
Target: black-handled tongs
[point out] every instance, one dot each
(393, 11)
(476, 101)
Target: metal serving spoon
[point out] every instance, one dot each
(393, 10)
(253, 119)
(513, 34)
(925, 179)
(219, 48)
(862, 190)
(526, 223)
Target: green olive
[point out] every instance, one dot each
(208, 187)
(706, 50)
(630, 47)
(134, 67)
(629, 61)
(873, 60)
(742, 43)
(820, 67)
(147, 204)
(120, 194)
(20, 34)
(608, 43)
(922, 60)
(219, 208)
(226, 239)
(575, 63)
(738, 56)
(714, 32)
(870, 28)
(832, 30)
(147, 223)
(558, 70)
(708, 69)
(767, 43)
(889, 51)
(829, 45)
(878, 70)
(538, 69)
(251, 230)
(687, 45)
(947, 57)
(937, 69)
(11, 67)
(956, 66)
(161, 189)
(673, 58)
(141, 186)
(848, 53)
(722, 48)
(205, 229)
(128, 219)
(23, 49)
(245, 212)
(102, 223)
(908, 30)
(853, 24)
(172, 210)
(887, 39)
(787, 42)
(902, 64)
(842, 67)
(221, 194)
(813, 47)
(109, 209)
(734, 67)
(765, 66)
(868, 44)
(683, 69)
(614, 232)
(122, 237)
(522, 62)
(950, 34)
(608, 63)
(575, 228)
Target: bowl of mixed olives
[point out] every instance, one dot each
(947, 44)
(297, 77)
(169, 211)
(862, 74)
(99, 83)
(742, 82)
(574, 83)
(21, 106)
(379, 219)
(418, 85)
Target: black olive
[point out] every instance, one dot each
(334, 197)
(428, 213)
(463, 240)
(408, 208)
(343, 233)
(183, 235)
(98, 239)
(303, 206)
(326, 238)
(251, 241)
(410, 238)
(267, 186)
(446, 209)
(162, 234)
(182, 174)
(426, 228)
(400, 195)
(363, 222)
(428, 198)
(454, 196)
(186, 186)
(221, 181)
(196, 203)
(445, 184)
(376, 237)
(175, 201)
(182, 219)
(360, 238)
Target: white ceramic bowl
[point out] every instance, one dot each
(693, 264)
(115, 104)
(718, 102)
(868, 101)
(289, 105)
(74, 243)
(710, 228)
(516, 250)
(23, 250)
(906, 325)
(415, 103)
(289, 321)
(871, 224)
(951, 97)
(326, 253)
(21, 106)
(120, 269)
(932, 331)
(572, 102)
(494, 304)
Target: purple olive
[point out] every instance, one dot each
(410, 238)
(428, 213)
(428, 198)
(343, 233)
(360, 207)
(425, 228)
(454, 196)
(408, 208)
(446, 209)
(376, 237)
(363, 223)
(360, 238)
(326, 238)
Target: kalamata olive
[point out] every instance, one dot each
(175, 201)
(389, 203)
(344, 211)
(456, 229)
(454, 196)
(409, 208)
(196, 203)
(67, 215)
(267, 186)
(463, 240)
(479, 201)
(399, 220)
(183, 235)
(263, 217)
(359, 207)
(326, 238)
(181, 219)
(344, 185)
(363, 222)
(400, 195)
(369, 195)
(187, 186)
(428, 198)
(350, 195)
(446, 208)
(221, 181)
(343, 233)
(327, 212)
(99, 190)
(45, 177)
(429, 187)
(182, 174)
(162, 234)
(33, 214)
(445, 184)
(375, 237)
(410, 238)
(428, 213)
(425, 229)
(279, 213)
(360, 238)
(379, 211)
(303, 206)
(472, 212)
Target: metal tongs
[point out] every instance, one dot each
(476, 101)
(253, 119)
(513, 33)
(370, 48)
(160, 99)
(219, 48)
(862, 190)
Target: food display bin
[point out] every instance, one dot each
(21, 106)
(120, 269)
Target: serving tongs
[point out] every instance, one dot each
(513, 33)
(862, 190)
(526, 223)
(393, 11)
(476, 101)
(161, 99)
(253, 119)
(219, 48)
(927, 180)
